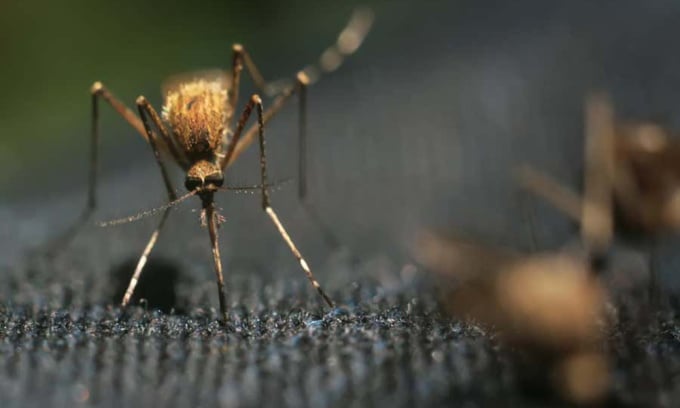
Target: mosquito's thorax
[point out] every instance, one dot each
(197, 112)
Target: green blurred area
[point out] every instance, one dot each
(51, 53)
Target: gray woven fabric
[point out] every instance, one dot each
(379, 347)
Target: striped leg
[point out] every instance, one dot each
(146, 111)
(266, 205)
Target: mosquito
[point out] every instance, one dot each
(195, 128)
(549, 304)
(631, 180)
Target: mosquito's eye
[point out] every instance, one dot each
(192, 183)
(215, 179)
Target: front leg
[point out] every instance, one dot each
(256, 102)
(97, 91)
(147, 111)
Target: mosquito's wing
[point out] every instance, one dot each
(597, 224)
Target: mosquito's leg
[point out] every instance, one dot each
(329, 236)
(211, 217)
(236, 68)
(653, 288)
(239, 146)
(255, 101)
(349, 40)
(232, 146)
(97, 91)
(597, 221)
(266, 203)
(241, 57)
(528, 216)
(142, 103)
(303, 81)
(347, 43)
(559, 196)
(142, 260)
(566, 201)
(146, 111)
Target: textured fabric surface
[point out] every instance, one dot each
(379, 347)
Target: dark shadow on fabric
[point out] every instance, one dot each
(157, 287)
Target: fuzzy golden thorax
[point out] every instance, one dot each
(204, 175)
(197, 112)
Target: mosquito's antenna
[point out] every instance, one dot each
(277, 185)
(147, 213)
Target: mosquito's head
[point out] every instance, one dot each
(204, 176)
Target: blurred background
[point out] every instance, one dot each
(421, 127)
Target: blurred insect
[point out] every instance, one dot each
(552, 304)
(199, 112)
(548, 304)
(631, 181)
